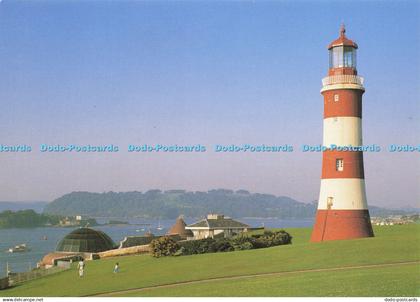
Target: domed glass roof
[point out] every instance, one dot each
(85, 240)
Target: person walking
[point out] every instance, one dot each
(81, 267)
(116, 268)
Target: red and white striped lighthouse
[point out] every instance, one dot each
(342, 207)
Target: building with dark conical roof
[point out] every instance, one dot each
(179, 229)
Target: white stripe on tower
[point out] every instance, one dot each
(342, 131)
(347, 194)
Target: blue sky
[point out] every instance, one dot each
(126, 72)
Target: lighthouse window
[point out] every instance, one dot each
(349, 57)
(336, 57)
(339, 164)
(343, 57)
(336, 97)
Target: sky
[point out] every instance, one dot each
(202, 72)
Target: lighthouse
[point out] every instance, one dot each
(342, 207)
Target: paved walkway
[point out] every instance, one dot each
(140, 289)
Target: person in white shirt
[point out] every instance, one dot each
(81, 267)
(116, 268)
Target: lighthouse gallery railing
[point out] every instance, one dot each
(342, 79)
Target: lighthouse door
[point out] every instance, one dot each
(330, 201)
(329, 206)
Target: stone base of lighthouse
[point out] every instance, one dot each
(341, 224)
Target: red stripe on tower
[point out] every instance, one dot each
(342, 207)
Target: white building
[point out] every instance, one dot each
(216, 225)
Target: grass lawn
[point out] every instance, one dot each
(401, 280)
(392, 244)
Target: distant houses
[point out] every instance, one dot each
(394, 220)
(78, 220)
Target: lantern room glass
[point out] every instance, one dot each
(343, 56)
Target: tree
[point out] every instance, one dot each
(163, 246)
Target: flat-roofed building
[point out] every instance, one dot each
(216, 225)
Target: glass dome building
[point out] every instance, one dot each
(85, 240)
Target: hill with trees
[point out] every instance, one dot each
(170, 204)
(37, 206)
(26, 219)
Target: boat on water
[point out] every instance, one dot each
(20, 248)
(159, 227)
(44, 237)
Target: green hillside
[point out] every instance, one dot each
(300, 269)
(170, 204)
